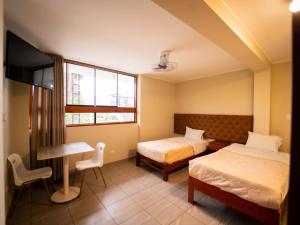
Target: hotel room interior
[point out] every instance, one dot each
(149, 112)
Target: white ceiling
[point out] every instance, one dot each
(269, 22)
(129, 35)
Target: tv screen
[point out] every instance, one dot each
(27, 64)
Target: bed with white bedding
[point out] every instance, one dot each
(256, 179)
(170, 154)
(170, 150)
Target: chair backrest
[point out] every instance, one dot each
(99, 153)
(17, 167)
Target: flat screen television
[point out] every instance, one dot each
(27, 64)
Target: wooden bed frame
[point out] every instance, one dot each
(230, 128)
(165, 168)
(265, 215)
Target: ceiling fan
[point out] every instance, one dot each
(164, 65)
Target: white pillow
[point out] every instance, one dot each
(266, 142)
(193, 134)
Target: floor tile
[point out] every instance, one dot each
(234, 217)
(146, 198)
(180, 199)
(82, 207)
(163, 188)
(137, 171)
(208, 211)
(132, 187)
(141, 218)
(60, 214)
(123, 210)
(109, 195)
(97, 217)
(121, 179)
(126, 164)
(134, 195)
(148, 180)
(39, 211)
(164, 212)
(21, 212)
(186, 219)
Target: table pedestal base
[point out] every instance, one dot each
(59, 197)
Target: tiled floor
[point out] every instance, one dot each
(134, 196)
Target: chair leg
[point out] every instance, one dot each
(16, 198)
(82, 179)
(46, 187)
(102, 177)
(95, 173)
(53, 185)
(20, 192)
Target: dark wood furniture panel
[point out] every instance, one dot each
(165, 168)
(231, 128)
(265, 215)
(216, 145)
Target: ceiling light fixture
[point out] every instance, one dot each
(295, 6)
(164, 65)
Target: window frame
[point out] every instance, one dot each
(96, 108)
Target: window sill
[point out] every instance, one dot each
(98, 124)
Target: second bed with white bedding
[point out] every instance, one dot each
(256, 175)
(170, 150)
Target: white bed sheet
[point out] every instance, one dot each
(256, 175)
(157, 149)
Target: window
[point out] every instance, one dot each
(96, 95)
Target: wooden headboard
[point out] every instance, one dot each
(232, 128)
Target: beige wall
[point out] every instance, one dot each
(262, 101)
(19, 119)
(16, 130)
(16, 117)
(155, 112)
(230, 93)
(156, 109)
(157, 105)
(120, 139)
(281, 102)
(266, 95)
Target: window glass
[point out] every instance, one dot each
(79, 118)
(125, 91)
(106, 88)
(95, 96)
(114, 117)
(80, 85)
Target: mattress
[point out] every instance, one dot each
(171, 150)
(256, 175)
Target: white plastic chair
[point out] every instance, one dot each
(23, 176)
(95, 162)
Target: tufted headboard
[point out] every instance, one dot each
(232, 128)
